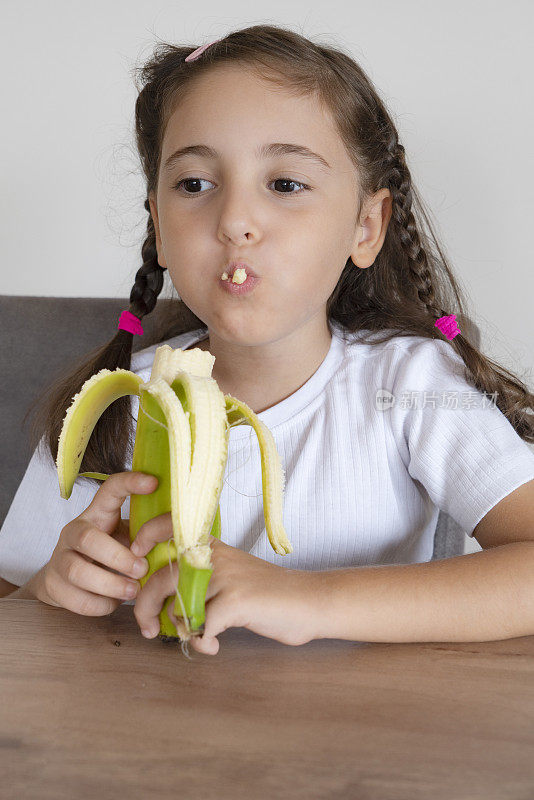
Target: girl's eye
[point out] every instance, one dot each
(277, 180)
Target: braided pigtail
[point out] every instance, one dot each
(148, 278)
(111, 442)
(517, 398)
(418, 267)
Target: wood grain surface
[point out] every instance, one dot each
(91, 709)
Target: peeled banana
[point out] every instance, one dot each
(182, 438)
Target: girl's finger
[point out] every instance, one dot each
(159, 529)
(82, 574)
(209, 647)
(221, 617)
(121, 533)
(153, 596)
(78, 600)
(152, 532)
(105, 508)
(104, 549)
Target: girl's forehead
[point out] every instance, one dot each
(232, 108)
(232, 93)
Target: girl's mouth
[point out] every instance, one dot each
(239, 275)
(241, 282)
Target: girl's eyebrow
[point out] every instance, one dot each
(263, 151)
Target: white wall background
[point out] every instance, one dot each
(457, 77)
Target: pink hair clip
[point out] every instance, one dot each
(448, 326)
(198, 52)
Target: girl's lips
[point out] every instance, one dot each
(233, 265)
(239, 288)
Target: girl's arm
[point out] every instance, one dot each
(24, 592)
(6, 587)
(476, 597)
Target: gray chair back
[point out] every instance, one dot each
(43, 336)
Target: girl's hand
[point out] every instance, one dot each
(243, 591)
(86, 572)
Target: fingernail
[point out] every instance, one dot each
(140, 566)
(135, 548)
(148, 633)
(132, 589)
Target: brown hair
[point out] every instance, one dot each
(407, 288)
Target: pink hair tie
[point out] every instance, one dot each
(448, 326)
(198, 52)
(129, 322)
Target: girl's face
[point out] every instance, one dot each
(290, 217)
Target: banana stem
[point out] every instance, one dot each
(190, 603)
(191, 588)
(191, 592)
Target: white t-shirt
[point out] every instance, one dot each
(364, 481)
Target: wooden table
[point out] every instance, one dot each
(91, 709)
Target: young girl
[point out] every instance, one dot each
(266, 150)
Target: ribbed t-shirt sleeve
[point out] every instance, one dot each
(453, 438)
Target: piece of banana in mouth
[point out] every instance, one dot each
(239, 276)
